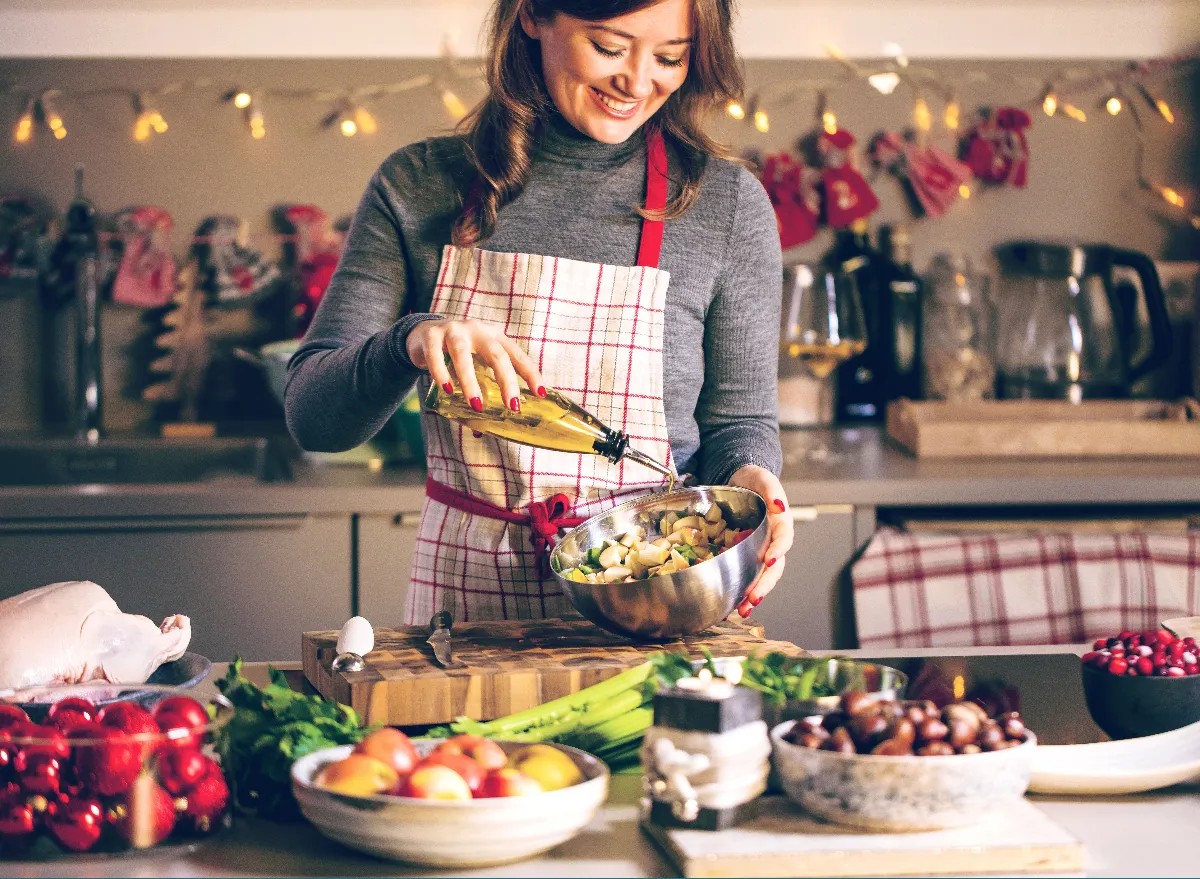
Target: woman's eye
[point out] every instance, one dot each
(607, 53)
(672, 62)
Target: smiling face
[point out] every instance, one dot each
(608, 77)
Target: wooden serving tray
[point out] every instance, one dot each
(508, 666)
(1046, 428)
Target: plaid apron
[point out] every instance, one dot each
(493, 506)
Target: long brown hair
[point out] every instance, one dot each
(501, 130)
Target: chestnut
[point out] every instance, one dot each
(811, 740)
(868, 729)
(840, 741)
(935, 749)
(970, 748)
(902, 729)
(932, 730)
(856, 702)
(892, 748)
(962, 732)
(990, 735)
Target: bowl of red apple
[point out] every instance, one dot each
(460, 802)
(101, 773)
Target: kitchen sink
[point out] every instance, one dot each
(132, 460)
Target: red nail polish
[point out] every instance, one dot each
(743, 613)
(541, 392)
(477, 404)
(515, 404)
(756, 601)
(780, 505)
(771, 562)
(447, 387)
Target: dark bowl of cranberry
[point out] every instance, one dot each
(1140, 684)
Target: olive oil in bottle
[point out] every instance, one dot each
(549, 422)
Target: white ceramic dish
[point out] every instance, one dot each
(451, 834)
(1121, 767)
(906, 794)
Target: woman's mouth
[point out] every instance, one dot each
(614, 107)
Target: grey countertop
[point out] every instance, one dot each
(857, 466)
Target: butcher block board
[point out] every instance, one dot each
(507, 666)
(1046, 428)
(784, 841)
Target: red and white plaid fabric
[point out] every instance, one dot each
(936, 590)
(596, 333)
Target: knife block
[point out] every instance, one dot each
(506, 667)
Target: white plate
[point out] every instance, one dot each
(1121, 767)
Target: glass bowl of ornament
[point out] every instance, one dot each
(109, 779)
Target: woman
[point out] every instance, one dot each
(542, 242)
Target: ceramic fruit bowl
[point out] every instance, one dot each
(1129, 707)
(450, 834)
(666, 606)
(902, 793)
(108, 778)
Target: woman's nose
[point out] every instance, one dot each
(638, 79)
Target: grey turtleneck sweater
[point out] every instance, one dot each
(722, 310)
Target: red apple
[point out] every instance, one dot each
(183, 720)
(508, 782)
(472, 773)
(483, 751)
(392, 747)
(434, 781)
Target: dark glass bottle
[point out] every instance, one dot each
(904, 290)
(860, 390)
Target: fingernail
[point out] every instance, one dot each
(757, 600)
(541, 392)
(743, 612)
(477, 404)
(771, 562)
(780, 505)
(515, 404)
(447, 387)
(477, 434)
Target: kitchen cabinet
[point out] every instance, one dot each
(385, 547)
(780, 29)
(810, 606)
(250, 584)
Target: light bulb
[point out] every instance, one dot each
(258, 128)
(1113, 105)
(242, 100)
(24, 129)
(60, 132)
(736, 110)
(1050, 103)
(884, 83)
(141, 127)
(1074, 112)
(365, 121)
(952, 113)
(829, 122)
(964, 191)
(157, 122)
(453, 104)
(921, 115)
(1171, 197)
(1164, 110)
(349, 128)
(761, 121)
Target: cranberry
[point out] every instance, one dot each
(1190, 642)
(1188, 657)
(1145, 650)
(110, 764)
(1125, 634)
(1165, 637)
(1100, 644)
(183, 720)
(76, 823)
(1134, 642)
(1175, 672)
(1145, 666)
(1132, 671)
(1175, 651)
(1192, 668)
(1117, 665)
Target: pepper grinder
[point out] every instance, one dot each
(707, 755)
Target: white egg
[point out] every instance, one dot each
(356, 636)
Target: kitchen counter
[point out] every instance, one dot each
(858, 466)
(1143, 835)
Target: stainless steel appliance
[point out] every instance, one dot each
(1067, 329)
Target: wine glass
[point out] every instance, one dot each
(823, 325)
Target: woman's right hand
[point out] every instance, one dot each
(430, 340)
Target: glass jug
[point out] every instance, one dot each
(1066, 332)
(959, 333)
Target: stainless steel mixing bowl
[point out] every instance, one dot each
(670, 605)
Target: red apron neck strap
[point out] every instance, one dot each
(656, 199)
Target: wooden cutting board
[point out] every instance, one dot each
(784, 841)
(508, 666)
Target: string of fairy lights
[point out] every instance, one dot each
(1121, 88)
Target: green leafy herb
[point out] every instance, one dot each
(782, 678)
(271, 728)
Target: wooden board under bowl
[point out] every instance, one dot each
(507, 666)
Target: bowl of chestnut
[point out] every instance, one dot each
(888, 765)
(1142, 683)
(101, 773)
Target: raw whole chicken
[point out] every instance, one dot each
(68, 633)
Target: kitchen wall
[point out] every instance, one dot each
(1082, 181)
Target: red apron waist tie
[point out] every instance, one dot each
(544, 518)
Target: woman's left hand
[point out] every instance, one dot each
(779, 532)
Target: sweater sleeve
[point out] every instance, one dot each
(352, 370)
(738, 406)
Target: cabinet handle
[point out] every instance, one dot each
(156, 523)
(810, 513)
(407, 520)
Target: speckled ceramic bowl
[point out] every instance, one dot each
(900, 793)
